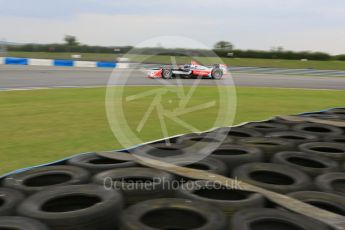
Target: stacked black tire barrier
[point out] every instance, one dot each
(331, 182)
(208, 164)
(327, 201)
(275, 177)
(173, 153)
(313, 166)
(173, 214)
(72, 207)
(335, 151)
(137, 184)
(324, 116)
(21, 223)
(236, 155)
(294, 137)
(266, 127)
(300, 158)
(337, 111)
(9, 200)
(268, 145)
(237, 133)
(278, 120)
(41, 178)
(337, 139)
(95, 163)
(229, 200)
(271, 219)
(318, 129)
(207, 137)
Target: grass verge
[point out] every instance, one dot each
(45, 125)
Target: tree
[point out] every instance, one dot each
(224, 45)
(71, 40)
(277, 49)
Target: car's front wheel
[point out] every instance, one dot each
(217, 73)
(167, 73)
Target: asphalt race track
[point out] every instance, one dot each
(14, 77)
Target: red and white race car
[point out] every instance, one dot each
(193, 70)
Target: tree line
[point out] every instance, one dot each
(221, 49)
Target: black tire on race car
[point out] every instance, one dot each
(167, 73)
(217, 73)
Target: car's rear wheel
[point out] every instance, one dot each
(217, 73)
(167, 73)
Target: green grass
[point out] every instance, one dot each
(295, 64)
(45, 125)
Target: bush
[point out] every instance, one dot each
(276, 54)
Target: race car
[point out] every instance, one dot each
(192, 70)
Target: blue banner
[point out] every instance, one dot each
(106, 64)
(16, 61)
(63, 63)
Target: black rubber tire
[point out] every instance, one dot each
(278, 120)
(173, 214)
(293, 136)
(229, 200)
(268, 145)
(217, 73)
(167, 73)
(337, 111)
(95, 163)
(311, 165)
(149, 183)
(208, 137)
(331, 182)
(318, 129)
(266, 127)
(325, 116)
(328, 201)
(237, 133)
(236, 155)
(38, 179)
(336, 139)
(87, 207)
(9, 199)
(335, 151)
(172, 153)
(21, 223)
(208, 164)
(184, 150)
(275, 177)
(272, 219)
(172, 140)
